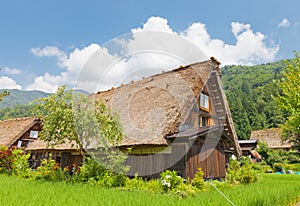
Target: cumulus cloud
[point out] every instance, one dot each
(50, 51)
(250, 47)
(148, 50)
(154, 23)
(12, 71)
(284, 23)
(8, 83)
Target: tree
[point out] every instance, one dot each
(3, 94)
(69, 117)
(289, 100)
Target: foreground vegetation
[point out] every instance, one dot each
(271, 189)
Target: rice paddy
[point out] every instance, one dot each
(271, 189)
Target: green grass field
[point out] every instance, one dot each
(270, 190)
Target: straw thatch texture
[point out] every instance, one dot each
(13, 129)
(154, 107)
(41, 145)
(271, 137)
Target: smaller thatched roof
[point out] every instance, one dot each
(42, 145)
(11, 130)
(271, 137)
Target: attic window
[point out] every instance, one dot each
(204, 100)
(33, 134)
(19, 145)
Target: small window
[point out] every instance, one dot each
(19, 145)
(204, 122)
(33, 134)
(204, 100)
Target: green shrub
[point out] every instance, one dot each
(153, 186)
(247, 175)
(14, 162)
(184, 190)
(198, 180)
(233, 171)
(136, 183)
(19, 164)
(51, 171)
(110, 179)
(241, 174)
(92, 172)
(170, 180)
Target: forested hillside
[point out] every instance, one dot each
(19, 97)
(249, 91)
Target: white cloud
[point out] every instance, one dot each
(8, 83)
(47, 83)
(50, 51)
(155, 23)
(145, 52)
(11, 70)
(249, 48)
(284, 23)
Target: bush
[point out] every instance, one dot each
(14, 162)
(183, 190)
(139, 184)
(170, 180)
(241, 174)
(136, 183)
(92, 172)
(51, 171)
(198, 180)
(19, 164)
(233, 171)
(5, 159)
(247, 175)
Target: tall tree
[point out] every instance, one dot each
(289, 100)
(85, 124)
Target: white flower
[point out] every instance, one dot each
(233, 157)
(168, 184)
(168, 176)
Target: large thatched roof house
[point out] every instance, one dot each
(19, 132)
(176, 120)
(272, 138)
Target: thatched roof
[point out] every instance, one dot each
(11, 130)
(41, 145)
(155, 107)
(271, 137)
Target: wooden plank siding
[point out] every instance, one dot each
(148, 165)
(209, 158)
(184, 159)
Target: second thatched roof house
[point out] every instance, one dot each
(272, 138)
(177, 120)
(19, 132)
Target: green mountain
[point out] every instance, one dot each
(19, 97)
(249, 91)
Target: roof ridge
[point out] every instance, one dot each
(179, 68)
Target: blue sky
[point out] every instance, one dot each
(41, 40)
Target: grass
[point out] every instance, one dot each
(270, 190)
